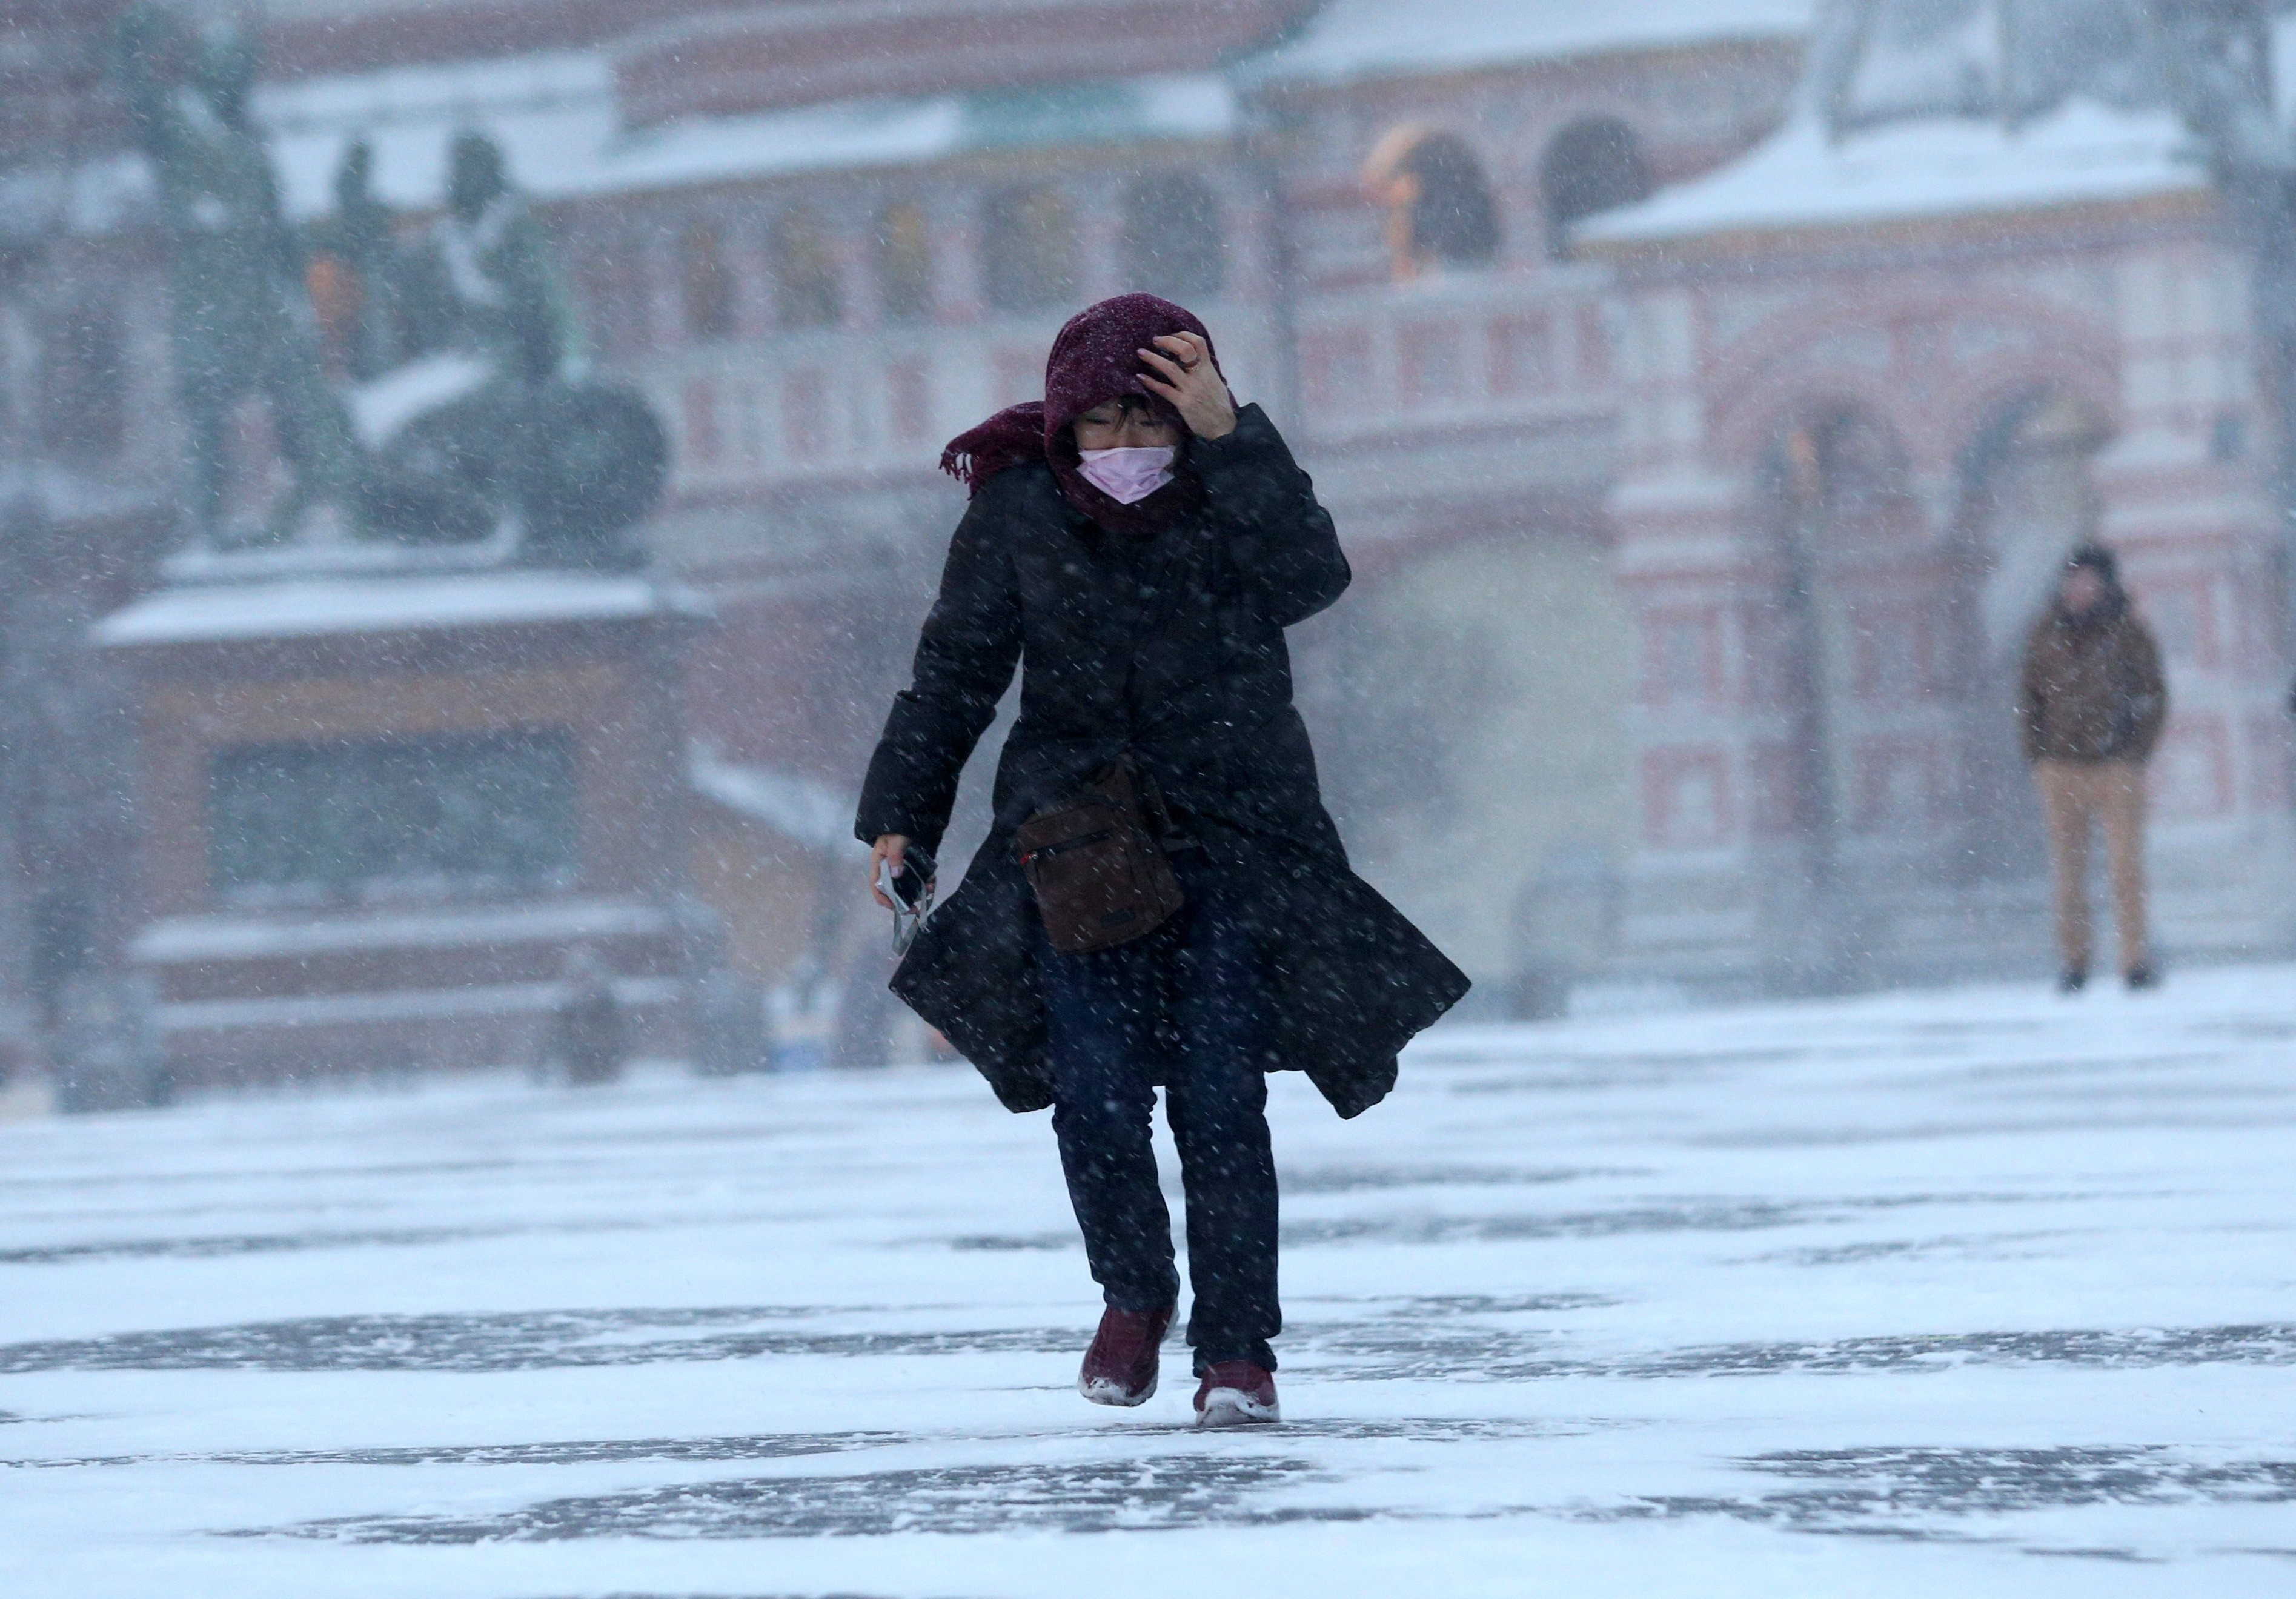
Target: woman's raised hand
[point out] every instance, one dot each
(1180, 370)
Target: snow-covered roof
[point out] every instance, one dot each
(556, 117)
(1382, 38)
(1937, 166)
(798, 806)
(314, 606)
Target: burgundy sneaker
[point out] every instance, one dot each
(1236, 1393)
(1121, 1366)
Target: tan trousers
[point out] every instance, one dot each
(2077, 797)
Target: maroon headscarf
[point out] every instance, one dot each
(1095, 358)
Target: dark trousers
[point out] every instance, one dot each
(1187, 1004)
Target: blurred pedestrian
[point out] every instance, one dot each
(1162, 898)
(2092, 707)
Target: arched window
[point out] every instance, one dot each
(1172, 236)
(1844, 471)
(1028, 248)
(806, 289)
(84, 385)
(904, 263)
(707, 283)
(1589, 166)
(1439, 207)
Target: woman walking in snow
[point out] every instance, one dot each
(1162, 898)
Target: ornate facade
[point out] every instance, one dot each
(1698, 481)
(1964, 311)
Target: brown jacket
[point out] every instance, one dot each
(2092, 688)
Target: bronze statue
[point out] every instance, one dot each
(242, 323)
(462, 411)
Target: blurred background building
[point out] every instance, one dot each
(1705, 390)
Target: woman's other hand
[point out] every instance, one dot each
(1180, 370)
(889, 852)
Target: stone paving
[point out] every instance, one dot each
(1976, 1290)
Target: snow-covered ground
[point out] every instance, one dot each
(1976, 1292)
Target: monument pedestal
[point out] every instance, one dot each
(381, 813)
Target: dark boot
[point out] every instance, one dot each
(1121, 1366)
(2141, 977)
(2072, 979)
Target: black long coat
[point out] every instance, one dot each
(1169, 648)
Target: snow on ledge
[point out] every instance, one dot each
(196, 940)
(1375, 38)
(799, 806)
(382, 405)
(2082, 152)
(317, 606)
(53, 494)
(291, 1011)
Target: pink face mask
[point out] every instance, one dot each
(1130, 475)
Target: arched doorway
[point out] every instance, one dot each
(2027, 495)
(1847, 651)
(1468, 706)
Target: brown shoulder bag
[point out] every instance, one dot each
(1101, 878)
